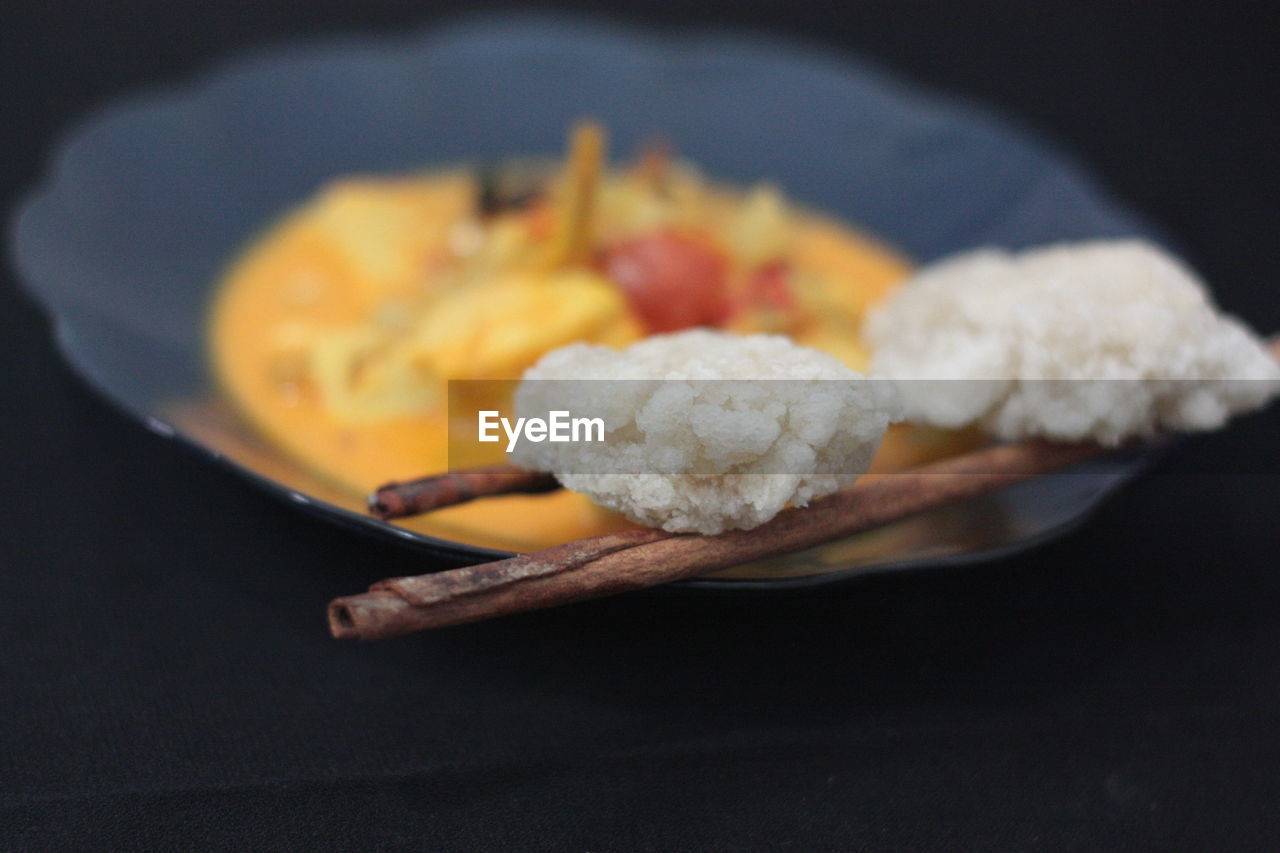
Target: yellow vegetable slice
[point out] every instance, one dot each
(582, 183)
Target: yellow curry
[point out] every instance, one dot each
(336, 333)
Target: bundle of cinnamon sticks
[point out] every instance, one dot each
(619, 562)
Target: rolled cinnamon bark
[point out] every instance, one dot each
(414, 497)
(619, 562)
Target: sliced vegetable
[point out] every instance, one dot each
(760, 231)
(672, 280)
(499, 191)
(572, 240)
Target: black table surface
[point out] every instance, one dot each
(166, 679)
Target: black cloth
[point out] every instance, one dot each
(166, 679)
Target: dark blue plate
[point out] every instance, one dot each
(145, 204)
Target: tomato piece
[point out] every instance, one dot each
(672, 280)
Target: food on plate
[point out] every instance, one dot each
(733, 429)
(1102, 340)
(337, 332)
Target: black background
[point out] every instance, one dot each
(165, 675)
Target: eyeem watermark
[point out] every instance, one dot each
(557, 426)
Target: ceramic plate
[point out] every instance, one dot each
(145, 204)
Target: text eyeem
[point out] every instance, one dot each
(557, 426)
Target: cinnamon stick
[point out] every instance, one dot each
(619, 562)
(414, 497)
